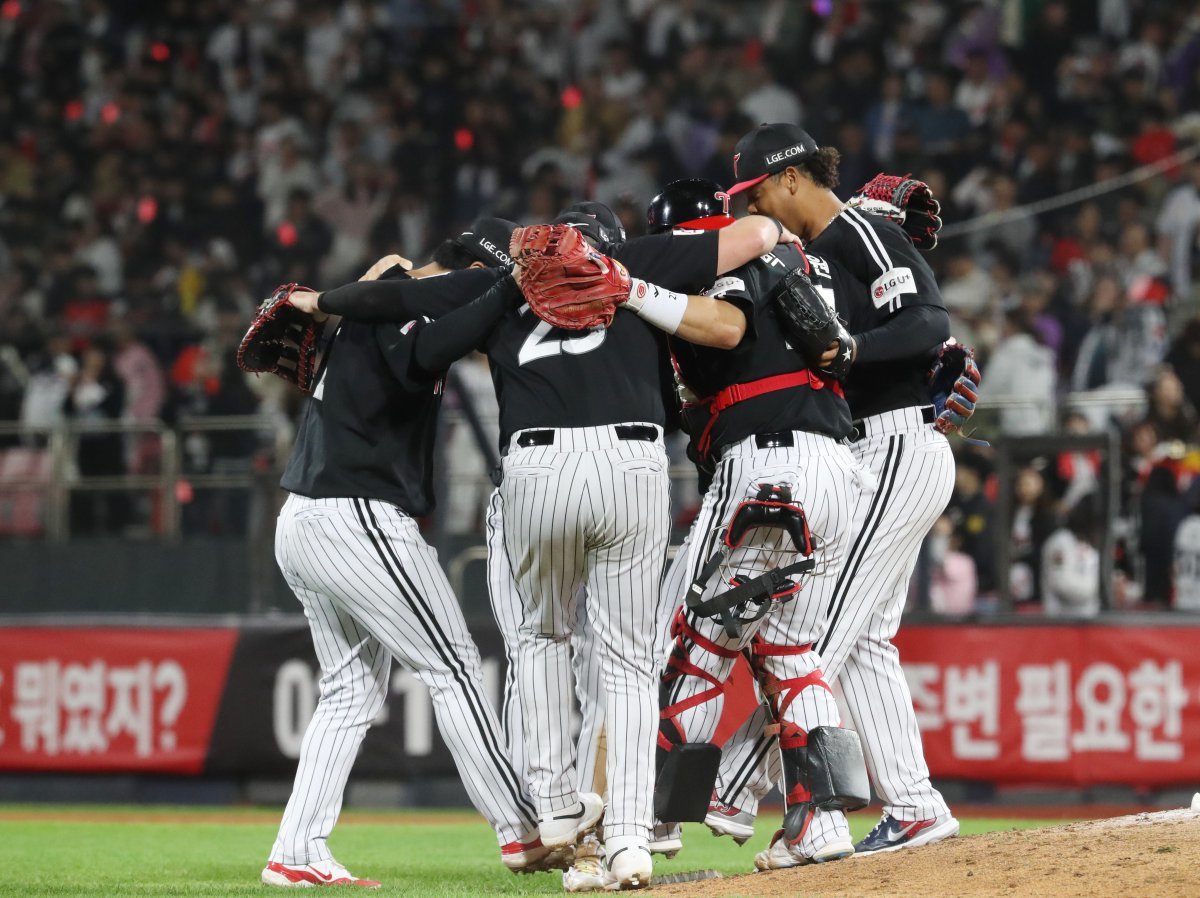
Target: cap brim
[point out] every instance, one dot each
(746, 185)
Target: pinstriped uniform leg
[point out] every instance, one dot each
(628, 540)
(354, 681)
(370, 560)
(872, 681)
(542, 495)
(506, 609)
(589, 691)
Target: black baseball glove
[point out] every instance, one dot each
(811, 323)
(282, 340)
(906, 201)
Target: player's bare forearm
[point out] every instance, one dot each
(747, 239)
(711, 322)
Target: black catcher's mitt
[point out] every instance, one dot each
(282, 340)
(811, 323)
(906, 201)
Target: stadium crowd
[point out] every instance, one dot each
(168, 163)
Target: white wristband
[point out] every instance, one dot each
(662, 308)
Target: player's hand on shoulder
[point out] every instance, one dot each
(384, 264)
(306, 301)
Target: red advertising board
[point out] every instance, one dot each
(1057, 704)
(82, 699)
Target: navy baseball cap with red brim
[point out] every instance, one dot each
(767, 150)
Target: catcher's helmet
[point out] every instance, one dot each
(692, 203)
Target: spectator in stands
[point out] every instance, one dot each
(1178, 228)
(96, 396)
(952, 580)
(1021, 378)
(1184, 359)
(1070, 566)
(1033, 520)
(974, 519)
(1173, 417)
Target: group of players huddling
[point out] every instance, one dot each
(804, 350)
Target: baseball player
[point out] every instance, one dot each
(772, 428)
(349, 548)
(896, 333)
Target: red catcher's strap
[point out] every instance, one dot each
(766, 649)
(736, 393)
(679, 665)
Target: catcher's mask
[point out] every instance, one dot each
(751, 596)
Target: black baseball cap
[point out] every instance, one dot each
(611, 229)
(766, 150)
(487, 240)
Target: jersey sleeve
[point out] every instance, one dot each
(404, 299)
(682, 261)
(398, 344)
(877, 253)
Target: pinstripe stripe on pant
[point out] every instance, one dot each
(373, 590)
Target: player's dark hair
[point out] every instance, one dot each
(452, 256)
(822, 167)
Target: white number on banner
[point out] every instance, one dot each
(293, 704)
(972, 702)
(1044, 703)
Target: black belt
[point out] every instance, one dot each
(784, 439)
(644, 432)
(860, 431)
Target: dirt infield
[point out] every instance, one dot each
(1149, 855)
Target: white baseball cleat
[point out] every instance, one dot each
(666, 839)
(565, 827)
(322, 873)
(629, 868)
(587, 875)
(891, 834)
(780, 855)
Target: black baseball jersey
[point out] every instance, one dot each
(876, 253)
(764, 352)
(369, 427)
(551, 377)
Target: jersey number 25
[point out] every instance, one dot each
(536, 346)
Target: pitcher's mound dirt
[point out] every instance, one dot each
(1145, 855)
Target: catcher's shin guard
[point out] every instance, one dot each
(828, 772)
(687, 771)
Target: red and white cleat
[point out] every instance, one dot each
(532, 856)
(322, 873)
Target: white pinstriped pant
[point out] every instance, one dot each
(372, 590)
(825, 481)
(588, 510)
(915, 469)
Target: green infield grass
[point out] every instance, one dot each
(142, 851)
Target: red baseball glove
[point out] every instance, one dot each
(906, 201)
(567, 282)
(282, 340)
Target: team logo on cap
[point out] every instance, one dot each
(724, 198)
(736, 157)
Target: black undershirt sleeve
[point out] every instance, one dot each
(912, 331)
(457, 333)
(403, 299)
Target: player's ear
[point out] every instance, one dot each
(477, 265)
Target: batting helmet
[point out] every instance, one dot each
(692, 203)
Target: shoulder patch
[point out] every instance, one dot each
(892, 284)
(725, 285)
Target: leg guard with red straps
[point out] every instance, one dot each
(823, 768)
(687, 770)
